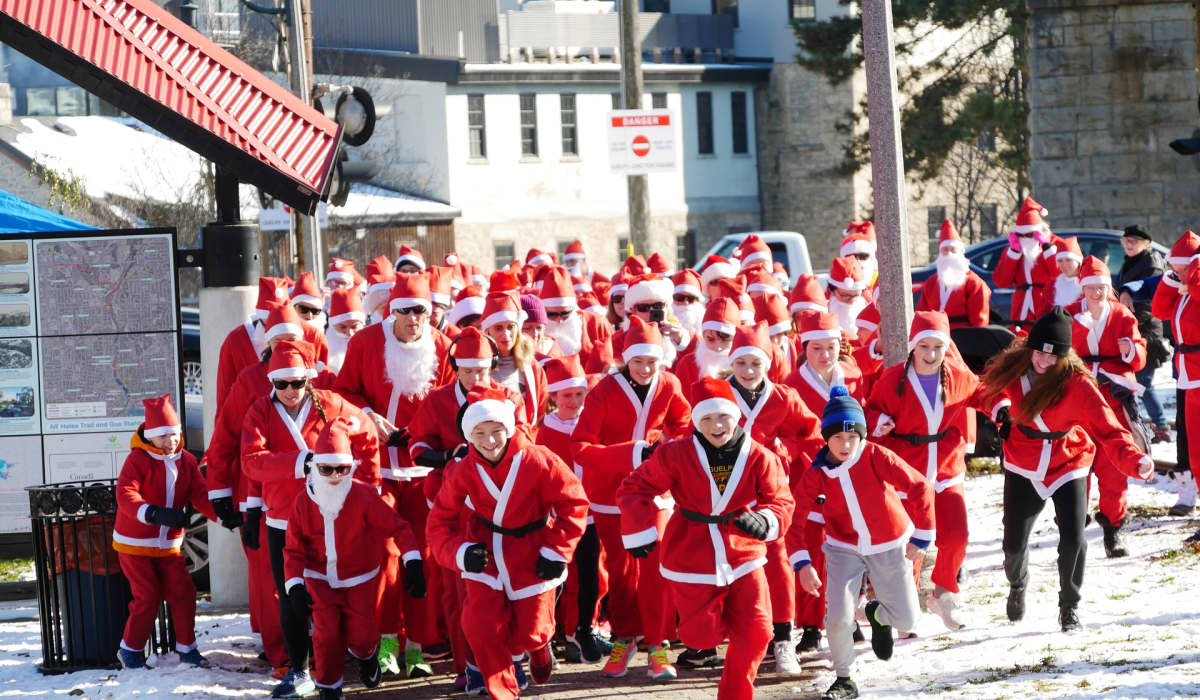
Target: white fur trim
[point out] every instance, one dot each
(489, 410)
(291, 373)
(501, 317)
(473, 362)
(308, 299)
(1180, 260)
(718, 271)
(858, 246)
(281, 328)
(781, 327)
(928, 333)
(292, 583)
(618, 289)
(440, 298)
(689, 289)
(750, 350)
(849, 285)
(410, 258)
(714, 405)
(640, 539)
(760, 287)
(821, 335)
(573, 256)
(462, 550)
(561, 302)
(649, 291)
(163, 430)
(568, 383)
(952, 244)
(718, 327)
(542, 259)
(470, 306)
(1029, 228)
(1068, 255)
(1095, 279)
(808, 306)
(407, 302)
(760, 256)
(552, 555)
(348, 316)
(865, 324)
(642, 350)
(340, 276)
(333, 458)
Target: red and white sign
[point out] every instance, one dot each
(641, 141)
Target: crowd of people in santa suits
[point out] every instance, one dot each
(427, 461)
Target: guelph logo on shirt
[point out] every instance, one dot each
(720, 474)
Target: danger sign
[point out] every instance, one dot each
(641, 141)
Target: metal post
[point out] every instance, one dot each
(631, 87)
(887, 178)
(301, 84)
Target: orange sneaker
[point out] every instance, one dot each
(660, 668)
(618, 660)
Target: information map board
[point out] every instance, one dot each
(89, 326)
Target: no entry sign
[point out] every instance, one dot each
(641, 141)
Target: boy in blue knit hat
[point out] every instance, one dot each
(867, 531)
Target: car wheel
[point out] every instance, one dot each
(193, 379)
(195, 548)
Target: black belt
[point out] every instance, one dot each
(1027, 287)
(1103, 358)
(1185, 348)
(1040, 435)
(958, 319)
(706, 518)
(515, 531)
(920, 438)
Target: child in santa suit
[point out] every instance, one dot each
(731, 498)
(508, 517)
(157, 481)
(711, 356)
(336, 534)
(1066, 289)
(867, 532)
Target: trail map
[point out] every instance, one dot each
(106, 376)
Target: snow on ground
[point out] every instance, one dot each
(1140, 622)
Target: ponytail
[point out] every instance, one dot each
(316, 401)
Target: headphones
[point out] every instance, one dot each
(492, 343)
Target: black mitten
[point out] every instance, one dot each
(643, 551)
(301, 601)
(548, 568)
(414, 578)
(251, 528)
(475, 559)
(171, 517)
(754, 524)
(226, 513)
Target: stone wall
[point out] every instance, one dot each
(1113, 84)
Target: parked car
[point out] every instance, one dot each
(787, 247)
(193, 380)
(1104, 244)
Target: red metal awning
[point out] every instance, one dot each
(137, 56)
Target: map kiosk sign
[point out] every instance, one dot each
(641, 141)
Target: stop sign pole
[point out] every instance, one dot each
(631, 87)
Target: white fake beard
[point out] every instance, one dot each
(1030, 248)
(568, 333)
(337, 342)
(317, 323)
(869, 267)
(847, 313)
(258, 338)
(1066, 290)
(409, 366)
(575, 269)
(710, 363)
(329, 498)
(952, 270)
(690, 316)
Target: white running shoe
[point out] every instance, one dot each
(786, 662)
(945, 606)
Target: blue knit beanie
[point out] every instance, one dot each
(842, 414)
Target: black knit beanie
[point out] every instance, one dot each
(1052, 333)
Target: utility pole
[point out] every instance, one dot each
(887, 179)
(631, 87)
(307, 227)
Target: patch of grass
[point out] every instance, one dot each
(981, 466)
(999, 674)
(12, 570)
(1120, 596)
(1184, 553)
(1145, 511)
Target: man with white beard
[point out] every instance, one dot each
(1067, 289)
(688, 303)
(859, 243)
(588, 335)
(711, 356)
(954, 288)
(346, 318)
(1028, 265)
(846, 285)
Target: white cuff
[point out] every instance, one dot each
(292, 583)
(798, 557)
(220, 493)
(141, 514)
(410, 556)
(772, 525)
(638, 448)
(1143, 464)
(1132, 351)
(640, 539)
(873, 350)
(1002, 403)
(552, 555)
(458, 556)
(927, 535)
(883, 418)
(252, 502)
(1166, 279)
(300, 457)
(1015, 255)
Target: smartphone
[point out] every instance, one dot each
(658, 315)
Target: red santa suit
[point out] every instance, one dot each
(714, 569)
(1032, 278)
(966, 305)
(527, 506)
(148, 552)
(501, 307)
(720, 316)
(243, 346)
(1173, 303)
(608, 443)
(594, 343)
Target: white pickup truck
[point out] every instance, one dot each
(787, 247)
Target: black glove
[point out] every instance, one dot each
(643, 551)
(754, 524)
(435, 459)
(475, 559)
(459, 452)
(226, 513)
(414, 579)
(1003, 423)
(649, 450)
(251, 528)
(399, 438)
(301, 601)
(548, 568)
(171, 517)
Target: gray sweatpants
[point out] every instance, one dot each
(891, 577)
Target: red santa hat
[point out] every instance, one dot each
(410, 255)
(780, 273)
(283, 320)
(574, 252)
(1069, 248)
(345, 305)
(501, 307)
(334, 443)
(649, 289)
(859, 238)
(341, 271)
(1029, 218)
(712, 395)
(819, 325)
(161, 418)
(688, 282)
(579, 285)
(409, 289)
(588, 301)
(635, 266)
(722, 315)
(270, 291)
(772, 310)
(845, 273)
(1186, 248)
(487, 402)
(735, 290)
(929, 324)
(760, 280)
(381, 274)
(557, 289)
(658, 264)
(753, 251)
(451, 259)
(752, 340)
(642, 340)
(504, 281)
(564, 373)
(440, 279)
(292, 359)
(948, 237)
(472, 349)
(715, 268)
(807, 295)
(537, 258)
(1093, 271)
(620, 284)
(868, 319)
(469, 302)
(306, 291)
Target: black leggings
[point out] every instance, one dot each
(295, 627)
(587, 566)
(1182, 460)
(1022, 505)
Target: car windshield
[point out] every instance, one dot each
(1107, 249)
(778, 251)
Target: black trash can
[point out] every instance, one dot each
(83, 599)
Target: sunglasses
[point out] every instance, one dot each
(332, 469)
(559, 315)
(281, 384)
(307, 311)
(685, 299)
(862, 256)
(647, 308)
(720, 335)
(1024, 235)
(617, 298)
(409, 310)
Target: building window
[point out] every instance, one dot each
(616, 98)
(39, 102)
(622, 249)
(663, 6)
(658, 100)
(933, 223)
(737, 103)
(570, 136)
(989, 223)
(987, 141)
(72, 101)
(505, 252)
(529, 144)
(803, 10)
(726, 7)
(685, 249)
(704, 123)
(561, 247)
(476, 132)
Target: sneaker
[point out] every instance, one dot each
(280, 672)
(572, 652)
(414, 664)
(660, 668)
(460, 682)
(435, 652)
(131, 659)
(1016, 603)
(332, 694)
(194, 658)
(618, 659)
(698, 658)
(294, 685)
(1185, 486)
(369, 671)
(475, 684)
(591, 647)
(541, 664)
(1068, 619)
(810, 639)
(842, 689)
(1194, 539)
(945, 606)
(519, 672)
(786, 662)
(389, 648)
(881, 634)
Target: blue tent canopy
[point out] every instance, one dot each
(19, 216)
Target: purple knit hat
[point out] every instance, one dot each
(535, 311)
